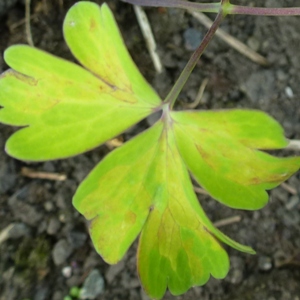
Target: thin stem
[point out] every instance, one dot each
(215, 7)
(27, 24)
(203, 7)
(176, 89)
(263, 11)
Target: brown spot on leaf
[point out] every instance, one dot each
(93, 24)
(255, 180)
(130, 217)
(203, 153)
(26, 79)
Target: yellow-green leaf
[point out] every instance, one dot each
(94, 39)
(66, 109)
(144, 185)
(220, 150)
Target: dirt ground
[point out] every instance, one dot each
(48, 250)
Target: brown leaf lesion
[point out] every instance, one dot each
(93, 24)
(19, 76)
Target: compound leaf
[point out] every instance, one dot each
(220, 150)
(145, 186)
(67, 109)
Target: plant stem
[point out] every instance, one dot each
(203, 7)
(263, 11)
(176, 89)
(215, 7)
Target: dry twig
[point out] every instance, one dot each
(199, 95)
(148, 36)
(27, 23)
(26, 172)
(228, 221)
(200, 190)
(289, 188)
(114, 143)
(230, 40)
(293, 145)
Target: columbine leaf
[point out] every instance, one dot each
(106, 56)
(117, 195)
(65, 108)
(146, 182)
(144, 186)
(219, 148)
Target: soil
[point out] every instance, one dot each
(49, 251)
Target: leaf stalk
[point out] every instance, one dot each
(263, 11)
(203, 7)
(228, 8)
(176, 89)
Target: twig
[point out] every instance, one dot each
(293, 145)
(148, 36)
(114, 143)
(201, 191)
(289, 188)
(199, 95)
(27, 24)
(61, 5)
(228, 221)
(42, 175)
(230, 40)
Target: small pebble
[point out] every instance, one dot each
(264, 263)
(49, 206)
(61, 252)
(289, 92)
(93, 286)
(53, 226)
(23, 211)
(62, 218)
(14, 231)
(192, 39)
(67, 272)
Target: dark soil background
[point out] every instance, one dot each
(44, 244)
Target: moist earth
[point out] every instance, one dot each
(44, 243)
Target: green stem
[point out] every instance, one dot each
(263, 11)
(204, 7)
(176, 89)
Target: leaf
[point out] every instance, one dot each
(144, 185)
(117, 195)
(65, 109)
(106, 56)
(219, 148)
